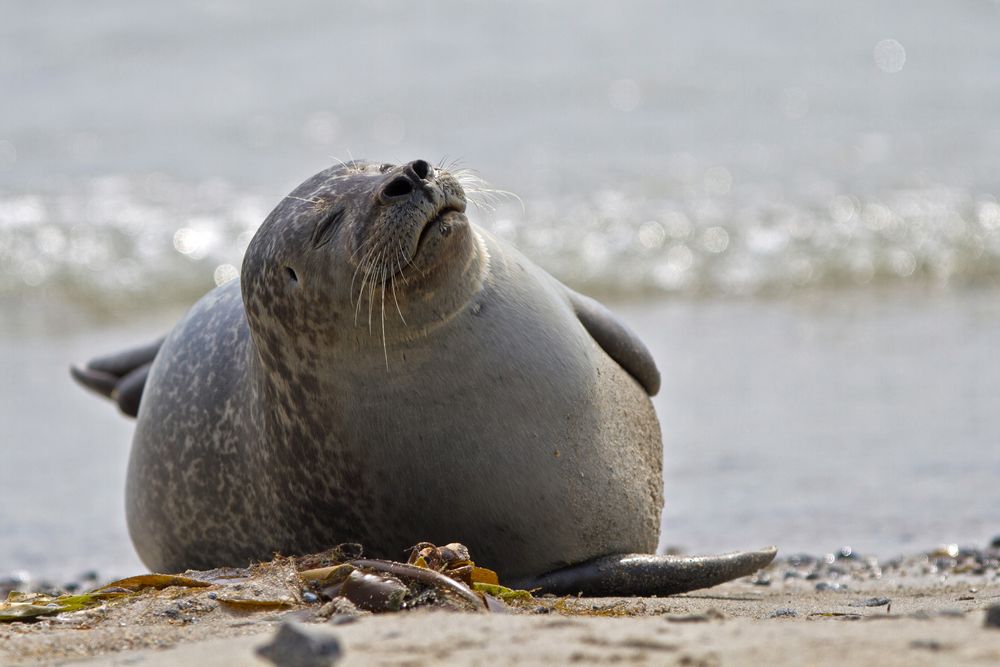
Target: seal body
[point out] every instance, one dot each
(385, 372)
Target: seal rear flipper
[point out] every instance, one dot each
(120, 377)
(643, 575)
(621, 343)
(128, 392)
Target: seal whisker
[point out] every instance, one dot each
(367, 263)
(370, 245)
(354, 277)
(350, 167)
(392, 283)
(385, 348)
(480, 192)
(371, 290)
(316, 201)
(361, 291)
(409, 261)
(403, 258)
(448, 166)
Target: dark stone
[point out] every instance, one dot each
(829, 586)
(784, 612)
(926, 644)
(342, 619)
(872, 602)
(296, 646)
(993, 616)
(798, 560)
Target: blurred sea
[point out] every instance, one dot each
(796, 205)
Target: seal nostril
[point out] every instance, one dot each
(421, 168)
(398, 187)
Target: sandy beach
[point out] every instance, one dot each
(926, 609)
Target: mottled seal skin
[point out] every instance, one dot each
(385, 372)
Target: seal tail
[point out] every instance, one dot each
(121, 376)
(645, 575)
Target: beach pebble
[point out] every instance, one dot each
(872, 602)
(926, 644)
(339, 607)
(295, 645)
(309, 597)
(342, 619)
(798, 560)
(846, 553)
(784, 612)
(993, 616)
(830, 586)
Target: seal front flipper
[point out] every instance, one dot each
(621, 343)
(121, 377)
(643, 575)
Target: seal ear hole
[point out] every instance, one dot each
(292, 276)
(398, 187)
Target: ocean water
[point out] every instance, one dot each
(795, 205)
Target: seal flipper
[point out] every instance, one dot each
(121, 377)
(644, 575)
(128, 391)
(621, 343)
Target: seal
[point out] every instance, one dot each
(386, 372)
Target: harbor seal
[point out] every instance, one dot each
(385, 372)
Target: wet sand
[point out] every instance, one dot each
(923, 610)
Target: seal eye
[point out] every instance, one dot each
(292, 276)
(326, 227)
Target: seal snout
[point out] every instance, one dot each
(411, 177)
(418, 207)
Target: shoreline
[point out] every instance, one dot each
(926, 608)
